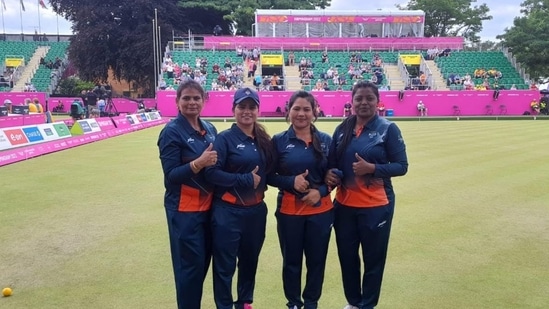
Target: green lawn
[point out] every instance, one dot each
(85, 228)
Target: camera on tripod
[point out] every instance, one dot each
(103, 91)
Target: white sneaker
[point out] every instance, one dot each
(350, 307)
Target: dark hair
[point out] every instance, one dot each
(301, 94)
(189, 84)
(263, 142)
(348, 125)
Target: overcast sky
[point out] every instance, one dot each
(45, 21)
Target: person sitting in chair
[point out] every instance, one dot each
(381, 109)
(347, 109)
(421, 109)
(77, 111)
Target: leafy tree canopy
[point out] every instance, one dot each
(451, 17)
(118, 35)
(528, 38)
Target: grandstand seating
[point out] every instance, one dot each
(464, 62)
(41, 78)
(218, 57)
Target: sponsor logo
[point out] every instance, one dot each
(48, 131)
(240, 146)
(16, 137)
(290, 146)
(33, 134)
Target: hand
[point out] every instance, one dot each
(362, 167)
(300, 182)
(312, 198)
(257, 178)
(331, 178)
(207, 158)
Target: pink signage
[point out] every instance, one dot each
(439, 103)
(18, 98)
(21, 120)
(230, 42)
(105, 123)
(338, 19)
(122, 105)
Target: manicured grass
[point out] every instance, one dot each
(85, 228)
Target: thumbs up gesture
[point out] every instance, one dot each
(208, 157)
(362, 167)
(300, 182)
(257, 178)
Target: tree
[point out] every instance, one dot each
(528, 38)
(118, 35)
(451, 17)
(240, 14)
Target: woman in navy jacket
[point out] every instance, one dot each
(185, 146)
(239, 215)
(304, 209)
(366, 151)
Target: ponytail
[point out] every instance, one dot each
(347, 127)
(265, 146)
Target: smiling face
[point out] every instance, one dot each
(245, 113)
(190, 102)
(302, 113)
(365, 100)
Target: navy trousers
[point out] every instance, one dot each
(191, 248)
(238, 235)
(310, 236)
(368, 228)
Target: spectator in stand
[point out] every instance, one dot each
(445, 53)
(304, 209)
(162, 84)
(423, 80)
(513, 87)
(318, 86)
(324, 57)
(252, 67)
(275, 81)
(291, 58)
(533, 86)
(330, 73)
(215, 68)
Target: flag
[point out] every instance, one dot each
(42, 4)
(22, 5)
(4, 5)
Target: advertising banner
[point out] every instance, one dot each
(338, 19)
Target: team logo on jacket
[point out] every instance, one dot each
(290, 146)
(240, 146)
(372, 134)
(190, 140)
